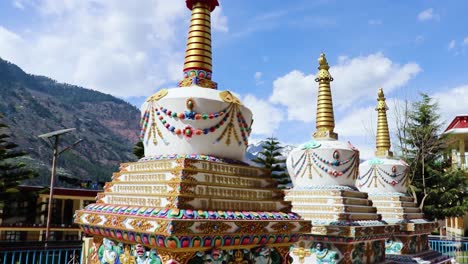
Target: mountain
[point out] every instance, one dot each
(253, 150)
(34, 105)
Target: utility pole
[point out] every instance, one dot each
(56, 135)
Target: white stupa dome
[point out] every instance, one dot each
(195, 121)
(323, 162)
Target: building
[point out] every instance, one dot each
(457, 140)
(26, 218)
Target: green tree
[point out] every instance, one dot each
(423, 147)
(139, 150)
(270, 158)
(448, 196)
(12, 171)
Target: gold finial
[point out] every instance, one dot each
(383, 135)
(198, 65)
(325, 121)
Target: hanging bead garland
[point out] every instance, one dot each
(228, 115)
(396, 178)
(144, 123)
(321, 163)
(334, 162)
(153, 130)
(365, 175)
(192, 115)
(230, 130)
(298, 166)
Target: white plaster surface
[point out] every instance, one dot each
(310, 175)
(373, 180)
(206, 101)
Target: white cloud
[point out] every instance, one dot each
(465, 41)
(452, 44)
(419, 39)
(355, 79)
(366, 152)
(427, 15)
(267, 117)
(375, 22)
(219, 21)
(452, 102)
(297, 92)
(125, 48)
(18, 4)
(258, 78)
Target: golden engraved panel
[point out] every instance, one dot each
(140, 224)
(252, 227)
(115, 221)
(213, 227)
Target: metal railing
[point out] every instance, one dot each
(455, 247)
(56, 252)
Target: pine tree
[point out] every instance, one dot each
(139, 150)
(12, 171)
(448, 196)
(423, 147)
(270, 158)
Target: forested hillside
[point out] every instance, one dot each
(34, 105)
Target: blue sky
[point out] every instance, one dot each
(265, 50)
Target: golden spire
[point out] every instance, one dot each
(383, 135)
(325, 121)
(197, 65)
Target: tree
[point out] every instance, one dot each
(270, 158)
(12, 171)
(448, 196)
(422, 147)
(139, 149)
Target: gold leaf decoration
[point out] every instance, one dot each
(228, 97)
(158, 95)
(140, 224)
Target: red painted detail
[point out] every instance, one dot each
(212, 4)
(460, 121)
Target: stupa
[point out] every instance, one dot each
(384, 179)
(192, 199)
(345, 226)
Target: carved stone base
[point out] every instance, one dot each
(411, 249)
(168, 257)
(319, 249)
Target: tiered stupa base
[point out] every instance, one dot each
(411, 244)
(190, 210)
(345, 226)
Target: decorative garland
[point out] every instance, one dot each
(192, 156)
(153, 131)
(396, 178)
(322, 164)
(229, 116)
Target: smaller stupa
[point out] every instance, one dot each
(384, 179)
(345, 226)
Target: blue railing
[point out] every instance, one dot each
(456, 248)
(63, 252)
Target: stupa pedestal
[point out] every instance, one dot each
(345, 226)
(189, 209)
(183, 203)
(410, 244)
(384, 178)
